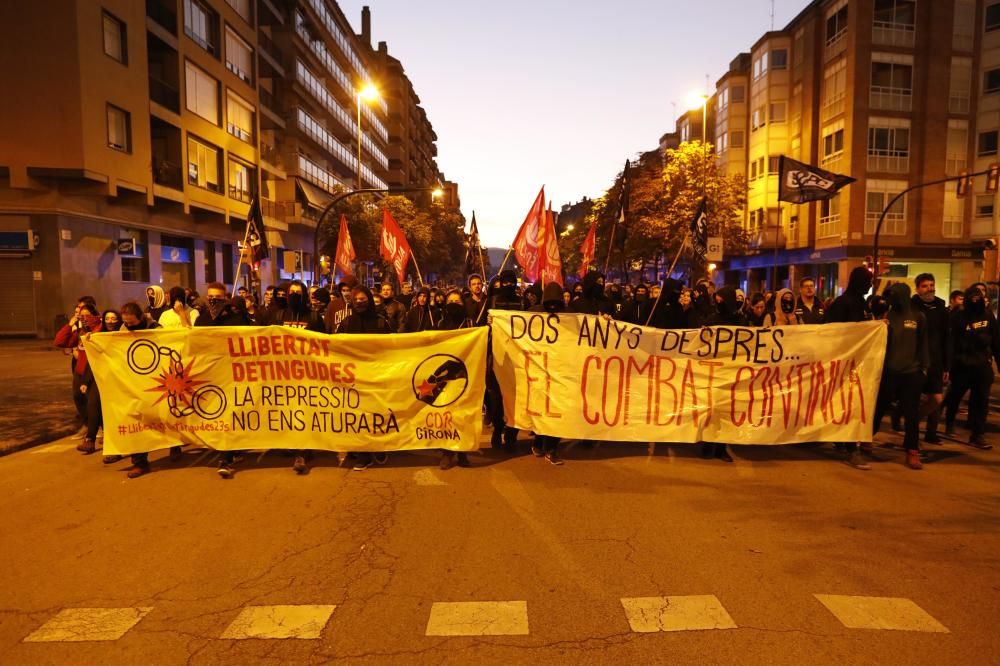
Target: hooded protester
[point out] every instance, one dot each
(577, 291)
(339, 308)
(504, 298)
(219, 310)
(156, 299)
(851, 307)
(532, 296)
(298, 312)
(975, 339)
(703, 310)
(905, 368)
(552, 303)
(757, 312)
(636, 310)
(669, 313)
(178, 313)
(391, 309)
(419, 316)
(593, 301)
(320, 300)
(273, 314)
(616, 299)
(784, 314)
(454, 317)
(437, 303)
(938, 349)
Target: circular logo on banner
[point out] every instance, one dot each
(440, 380)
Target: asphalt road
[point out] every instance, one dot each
(36, 394)
(383, 546)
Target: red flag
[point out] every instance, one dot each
(548, 245)
(526, 242)
(587, 250)
(394, 247)
(345, 248)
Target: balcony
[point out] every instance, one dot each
(168, 174)
(162, 63)
(829, 226)
(163, 16)
(951, 226)
(836, 45)
(958, 104)
(894, 224)
(167, 155)
(270, 158)
(893, 34)
(891, 99)
(271, 57)
(268, 14)
(889, 163)
(164, 94)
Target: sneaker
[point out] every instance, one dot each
(537, 450)
(175, 454)
(225, 471)
(380, 458)
(553, 458)
(362, 463)
(111, 460)
(856, 461)
(463, 460)
(299, 466)
(238, 456)
(87, 446)
(932, 438)
(447, 460)
(135, 471)
(979, 442)
(913, 459)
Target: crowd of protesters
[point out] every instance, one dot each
(937, 352)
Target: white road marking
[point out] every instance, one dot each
(279, 622)
(88, 624)
(682, 613)
(478, 618)
(880, 613)
(425, 477)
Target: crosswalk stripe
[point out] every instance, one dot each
(88, 624)
(676, 613)
(305, 621)
(880, 613)
(478, 618)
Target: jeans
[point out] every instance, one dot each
(904, 388)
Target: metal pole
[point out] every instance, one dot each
(656, 303)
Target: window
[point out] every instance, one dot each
(119, 129)
(242, 8)
(239, 56)
(778, 111)
(991, 81)
(988, 143)
(241, 178)
(760, 167)
(239, 118)
(834, 89)
(836, 25)
(779, 59)
(737, 94)
(135, 268)
(203, 165)
(880, 193)
(773, 164)
(201, 24)
(892, 86)
(964, 34)
(895, 13)
(759, 119)
(957, 147)
(723, 99)
(985, 205)
(115, 38)
(760, 66)
(888, 146)
(736, 139)
(960, 85)
(753, 170)
(993, 17)
(829, 218)
(833, 143)
(202, 93)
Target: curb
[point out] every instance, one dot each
(47, 438)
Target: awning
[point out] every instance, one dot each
(312, 195)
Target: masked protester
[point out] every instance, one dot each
(504, 298)
(179, 314)
(339, 308)
(552, 303)
(419, 316)
(365, 319)
(851, 307)
(320, 301)
(637, 309)
(975, 338)
(784, 314)
(273, 314)
(391, 309)
(156, 300)
(757, 312)
(616, 299)
(876, 308)
(935, 311)
(669, 313)
(298, 312)
(704, 310)
(85, 320)
(454, 316)
(905, 368)
(577, 291)
(532, 296)
(475, 302)
(593, 301)
(808, 308)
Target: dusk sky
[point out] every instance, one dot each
(556, 92)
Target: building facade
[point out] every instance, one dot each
(136, 139)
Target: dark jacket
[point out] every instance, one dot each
(394, 312)
(229, 316)
(593, 301)
(850, 306)
(729, 311)
(305, 319)
(906, 350)
(368, 322)
(975, 335)
(806, 316)
(938, 332)
(419, 317)
(476, 311)
(669, 313)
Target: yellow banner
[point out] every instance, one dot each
(280, 388)
(584, 377)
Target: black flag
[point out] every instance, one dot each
(699, 230)
(474, 256)
(801, 183)
(256, 234)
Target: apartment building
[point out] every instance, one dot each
(857, 87)
(136, 139)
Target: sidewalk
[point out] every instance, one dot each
(35, 394)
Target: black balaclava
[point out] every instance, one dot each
(642, 294)
(615, 293)
(898, 297)
(176, 294)
(860, 281)
(671, 292)
(728, 305)
(975, 302)
(368, 309)
(552, 298)
(787, 303)
(593, 286)
(215, 306)
(877, 306)
(508, 285)
(281, 301)
(298, 303)
(578, 290)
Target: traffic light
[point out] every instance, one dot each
(993, 178)
(962, 187)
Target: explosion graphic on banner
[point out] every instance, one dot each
(177, 384)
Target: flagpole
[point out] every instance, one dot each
(236, 278)
(670, 271)
(413, 256)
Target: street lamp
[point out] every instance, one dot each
(368, 93)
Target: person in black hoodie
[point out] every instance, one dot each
(552, 303)
(419, 316)
(505, 298)
(975, 338)
(636, 309)
(905, 368)
(593, 301)
(668, 311)
(939, 351)
(219, 310)
(273, 313)
(704, 310)
(851, 307)
(298, 312)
